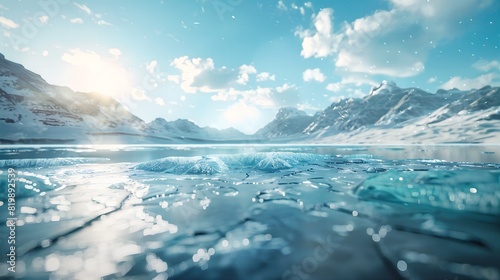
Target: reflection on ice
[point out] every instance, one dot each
(476, 191)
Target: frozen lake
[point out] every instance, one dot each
(253, 212)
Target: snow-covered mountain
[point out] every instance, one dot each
(30, 108)
(33, 111)
(288, 121)
(187, 129)
(389, 114)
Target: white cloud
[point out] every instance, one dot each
(313, 75)
(263, 97)
(302, 9)
(485, 65)
(45, 53)
(115, 52)
(349, 81)
(392, 42)
(8, 23)
(102, 22)
(245, 70)
(159, 101)
(84, 8)
(265, 76)
(199, 74)
(76, 20)
(96, 18)
(322, 42)
(308, 107)
(43, 19)
(281, 6)
(285, 87)
(78, 57)
(174, 78)
(492, 79)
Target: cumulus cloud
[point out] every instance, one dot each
(392, 42)
(198, 74)
(313, 75)
(265, 76)
(320, 42)
(244, 75)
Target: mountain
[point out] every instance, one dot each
(389, 114)
(31, 108)
(33, 111)
(288, 121)
(187, 129)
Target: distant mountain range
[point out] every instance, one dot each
(33, 111)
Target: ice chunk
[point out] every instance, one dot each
(267, 162)
(186, 165)
(467, 190)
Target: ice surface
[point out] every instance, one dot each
(345, 212)
(475, 191)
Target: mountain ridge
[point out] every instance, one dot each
(32, 110)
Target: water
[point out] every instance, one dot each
(254, 212)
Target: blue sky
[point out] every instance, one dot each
(225, 63)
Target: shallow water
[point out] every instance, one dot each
(254, 212)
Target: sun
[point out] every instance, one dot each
(90, 72)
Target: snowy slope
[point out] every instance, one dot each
(288, 121)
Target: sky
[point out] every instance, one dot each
(235, 63)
